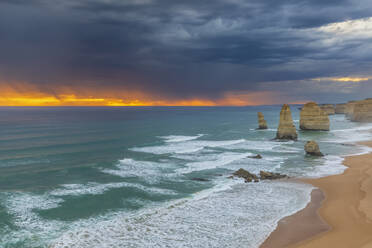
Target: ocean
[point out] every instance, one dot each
(154, 176)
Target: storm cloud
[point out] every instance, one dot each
(189, 49)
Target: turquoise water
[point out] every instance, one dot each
(131, 177)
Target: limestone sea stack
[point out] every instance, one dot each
(362, 111)
(312, 148)
(286, 128)
(328, 108)
(340, 108)
(262, 124)
(312, 117)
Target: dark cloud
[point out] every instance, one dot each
(179, 48)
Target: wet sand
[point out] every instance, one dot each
(342, 220)
(300, 226)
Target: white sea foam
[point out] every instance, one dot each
(185, 147)
(93, 188)
(227, 218)
(149, 171)
(317, 167)
(361, 150)
(351, 135)
(217, 160)
(22, 206)
(229, 160)
(180, 138)
(84, 189)
(36, 231)
(263, 130)
(331, 165)
(264, 145)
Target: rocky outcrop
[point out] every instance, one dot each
(349, 109)
(340, 108)
(312, 148)
(312, 117)
(262, 124)
(258, 156)
(246, 175)
(362, 111)
(286, 128)
(265, 175)
(328, 108)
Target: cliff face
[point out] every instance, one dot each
(312, 117)
(340, 108)
(286, 129)
(328, 108)
(262, 124)
(362, 111)
(349, 109)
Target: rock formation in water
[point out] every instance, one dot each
(258, 156)
(262, 124)
(328, 108)
(340, 108)
(286, 129)
(246, 175)
(312, 117)
(349, 109)
(362, 111)
(265, 175)
(312, 148)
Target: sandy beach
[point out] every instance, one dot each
(343, 219)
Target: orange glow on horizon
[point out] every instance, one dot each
(71, 100)
(24, 94)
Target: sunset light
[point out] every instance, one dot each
(344, 79)
(164, 123)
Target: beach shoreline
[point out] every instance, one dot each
(342, 218)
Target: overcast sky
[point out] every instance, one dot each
(282, 50)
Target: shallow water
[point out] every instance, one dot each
(123, 177)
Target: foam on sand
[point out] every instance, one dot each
(331, 165)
